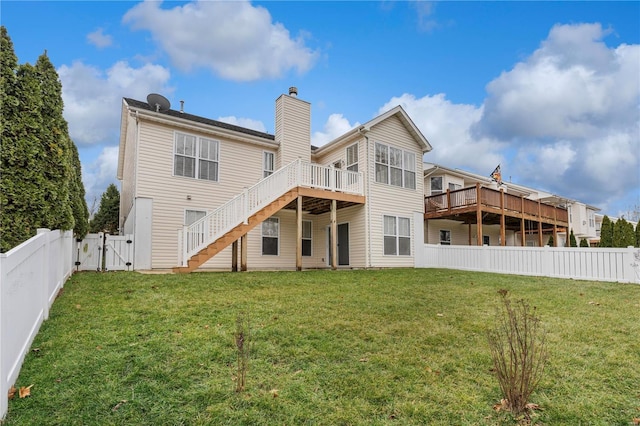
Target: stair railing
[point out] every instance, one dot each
(237, 210)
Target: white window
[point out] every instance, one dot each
(592, 220)
(397, 236)
(270, 236)
(268, 163)
(191, 216)
(436, 185)
(352, 158)
(454, 186)
(382, 163)
(196, 236)
(196, 157)
(306, 237)
(445, 237)
(395, 166)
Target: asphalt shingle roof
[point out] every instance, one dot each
(186, 116)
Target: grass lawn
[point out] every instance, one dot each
(381, 347)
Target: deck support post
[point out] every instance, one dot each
(503, 233)
(234, 256)
(539, 224)
(334, 236)
(299, 234)
(555, 228)
(523, 235)
(243, 253)
(478, 215)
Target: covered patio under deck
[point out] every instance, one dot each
(309, 200)
(480, 205)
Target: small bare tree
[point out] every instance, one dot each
(242, 350)
(519, 353)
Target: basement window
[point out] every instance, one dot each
(270, 236)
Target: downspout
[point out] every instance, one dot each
(363, 131)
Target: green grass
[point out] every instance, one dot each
(381, 347)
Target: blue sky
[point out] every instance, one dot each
(549, 90)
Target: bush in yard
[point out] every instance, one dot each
(572, 240)
(519, 353)
(584, 243)
(606, 232)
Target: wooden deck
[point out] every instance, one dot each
(480, 205)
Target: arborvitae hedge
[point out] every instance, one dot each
(39, 180)
(606, 232)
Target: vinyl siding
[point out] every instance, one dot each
(460, 233)
(127, 187)
(386, 199)
(240, 165)
(293, 130)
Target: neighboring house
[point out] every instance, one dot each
(201, 194)
(464, 208)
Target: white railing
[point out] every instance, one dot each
(195, 237)
(31, 274)
(596, 264)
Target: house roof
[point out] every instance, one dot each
(198, 119)
(397, 111)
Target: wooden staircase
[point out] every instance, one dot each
(224, 241)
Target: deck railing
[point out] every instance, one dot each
(206, 230)
(468, 197)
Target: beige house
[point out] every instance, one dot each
(201, 194)
(463, 208)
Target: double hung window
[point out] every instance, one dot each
(270, 236)
(397, 236)
(268, 162)
(352, 158)
(395, 166)
(196, 157)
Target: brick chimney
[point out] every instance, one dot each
(293, 128)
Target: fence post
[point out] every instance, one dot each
(45, 272)
(631, 259)
(332, 178)
(4, 389)
(547, 261)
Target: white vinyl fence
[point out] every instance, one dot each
(597, 264)
(31, 275)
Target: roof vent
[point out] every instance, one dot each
(293, 91)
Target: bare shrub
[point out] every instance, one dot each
(242, 350)
(519, 353)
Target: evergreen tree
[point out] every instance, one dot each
(23, 185)
(572, 240)
(584, 243)
(606, 232)
(108, 216)
(550, 242)
(638, 234)
(77, 193)
(56, 144)
(623, 235)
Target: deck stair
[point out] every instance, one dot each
(208, 236)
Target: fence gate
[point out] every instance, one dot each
(89, 253)
(118, 252)
(104, 252)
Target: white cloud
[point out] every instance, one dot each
(570, 87)
(448, 126)
(335, 126)
(570, 115)
(248, 123)
(92, 97)
(98, 174)
(235, 40)
(99, 39)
